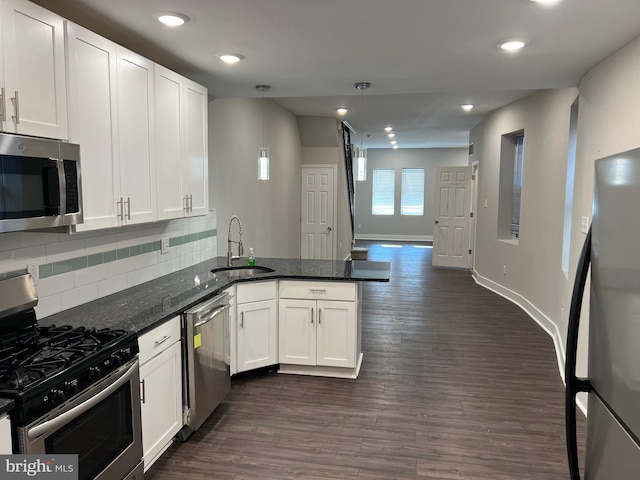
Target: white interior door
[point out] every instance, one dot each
(318, 213)
(452, 224)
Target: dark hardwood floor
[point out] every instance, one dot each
(457, 383)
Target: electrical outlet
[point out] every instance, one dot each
(504, 269)
(164, 245)
(33, 269)
(584, 226)
(486, 203)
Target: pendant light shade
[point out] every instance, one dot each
(263, 152)
(361, 153)
(263, 163)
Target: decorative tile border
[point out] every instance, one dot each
(78, 263)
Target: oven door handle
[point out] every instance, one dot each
(55, 423)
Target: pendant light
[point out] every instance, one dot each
(263, 152)
(361, 153)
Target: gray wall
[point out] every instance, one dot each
(401, 227)
(608, 122)
(269, 210)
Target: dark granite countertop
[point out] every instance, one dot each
(5, 405)
(141, 307)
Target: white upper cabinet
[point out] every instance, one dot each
(196, 166)
(181, 145)
(111, 110)
(33, 80)
(93, 124)
(136, 137)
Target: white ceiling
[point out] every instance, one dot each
(423, 58)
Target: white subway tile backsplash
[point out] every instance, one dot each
(78, 296)
(112, 285)
(56, 284)
(9, 241)
(81, 267)
(49, 305)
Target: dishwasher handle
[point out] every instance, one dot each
(210, 315)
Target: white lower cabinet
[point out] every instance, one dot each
(318, 332)
(256, 326)
(160, 388)
(5, 435)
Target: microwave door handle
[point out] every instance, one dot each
(51, 186)
(62, 184)
(62, 419)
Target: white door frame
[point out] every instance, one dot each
(335, 202)
(475, 171)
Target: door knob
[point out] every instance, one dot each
(436, 221)
(329, 229)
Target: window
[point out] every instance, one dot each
(412, 202)
(517, 185)
(510, 186)
(384, 180)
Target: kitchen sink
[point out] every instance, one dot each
(242, 271)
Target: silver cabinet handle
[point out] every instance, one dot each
(128, 202)
(142, 391)
(120, 209)
(241, 319)
(16, 104)
(319, 316)
(318, 290)
(3, 108)
(162, 340)
(190, 203)
(312, 316)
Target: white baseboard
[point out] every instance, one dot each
(396, 238)
(540, 318)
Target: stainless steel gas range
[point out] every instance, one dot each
(76, 389)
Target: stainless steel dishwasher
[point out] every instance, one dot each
(206, 371)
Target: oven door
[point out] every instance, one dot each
(102, 426)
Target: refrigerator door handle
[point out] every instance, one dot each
(573, 383)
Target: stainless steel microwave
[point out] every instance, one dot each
(40, 183)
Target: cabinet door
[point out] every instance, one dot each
(257, 335)
(161, 385)
(297, 331)
(5, 436)
(195, 170)
(336, 334)
(34, 70)
(136, 136)
(93, 123)
(169, 143)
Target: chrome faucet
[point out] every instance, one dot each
(230, 256)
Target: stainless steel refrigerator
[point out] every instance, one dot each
(613, 384)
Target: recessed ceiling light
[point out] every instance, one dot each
(342, 111)
(512, 45)
(546, 1)
(173, 19)
(393, 142)
(467, 107)
(388, 129)
(395, 147)
(230, 57)
(391, 135)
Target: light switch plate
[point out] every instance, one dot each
(164, 245)
(584, 226)
(33, 269)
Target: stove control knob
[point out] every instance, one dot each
(71, 388)
(56, 396)
(125, 354)
(116, 360)
(95, 374)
